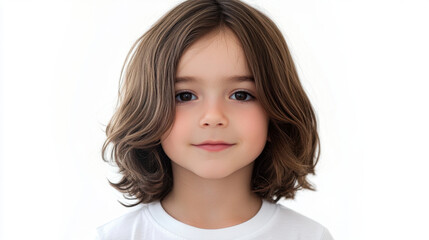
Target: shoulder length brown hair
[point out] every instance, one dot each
(146, 103)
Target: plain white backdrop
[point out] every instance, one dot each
(364, 65)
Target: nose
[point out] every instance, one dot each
(213, 115)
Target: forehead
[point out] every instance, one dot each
(233, 79)
(217, 55)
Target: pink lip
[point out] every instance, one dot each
(214, 146)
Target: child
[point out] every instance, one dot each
(213, 128)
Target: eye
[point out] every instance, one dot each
(185, 96)
(242, 96)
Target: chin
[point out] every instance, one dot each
(219, 171)
(213, 173)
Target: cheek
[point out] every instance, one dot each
(253, 129)
(181, 124)
(179, 130)
(254, 123)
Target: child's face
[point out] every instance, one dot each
(214, 107)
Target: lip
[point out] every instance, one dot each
(214, 146)
(213, 142)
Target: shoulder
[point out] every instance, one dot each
(298, 225)
(122, 227)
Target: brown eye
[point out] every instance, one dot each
(242, 96)
(184, 97)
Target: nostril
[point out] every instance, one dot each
(208, 124)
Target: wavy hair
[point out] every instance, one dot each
(146, 102)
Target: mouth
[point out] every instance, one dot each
(214, 146)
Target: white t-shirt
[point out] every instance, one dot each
(273, 221)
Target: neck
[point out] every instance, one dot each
(212, 203)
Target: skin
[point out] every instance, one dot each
(212, 189)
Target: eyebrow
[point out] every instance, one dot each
(233, 78)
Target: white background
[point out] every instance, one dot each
(364, 65)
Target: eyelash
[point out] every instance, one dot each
(239, 91)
